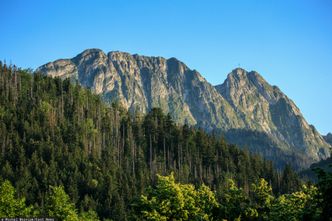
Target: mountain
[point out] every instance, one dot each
(140, 83)
(53, 132)
(245, 108)
(273, 116)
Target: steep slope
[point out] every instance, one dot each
(245, 108)
(55, 133)
(140, 83)
(266, 109)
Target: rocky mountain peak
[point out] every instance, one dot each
(265, 108)
(119, 56)
(257, 114)
(240, 77)
(176, 67)
(238, 74)
(91, 51)
(89, 54)
(241, 83)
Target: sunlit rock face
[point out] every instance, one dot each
(265, 108)
(244, 102)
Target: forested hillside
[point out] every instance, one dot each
(54, 133)
(245, 108)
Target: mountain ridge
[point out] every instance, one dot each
(245, 101)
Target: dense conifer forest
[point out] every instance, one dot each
(66, 154)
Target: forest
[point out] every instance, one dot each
(66, 154)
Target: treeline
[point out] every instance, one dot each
(58, 205)
(169, 200)
(55, 133)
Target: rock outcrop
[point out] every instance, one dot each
(265, 109)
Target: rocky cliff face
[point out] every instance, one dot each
(140, 83)
(264, 108)
(245, 101)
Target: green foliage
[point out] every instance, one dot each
(88, 216)
(10, 206)
(169, 200)
(290, 181)
(206, 201)
(301, 205)
(58, 205)
(174, 201)
(325, 188)
(262, 199)
(55, 133)
(233, 201)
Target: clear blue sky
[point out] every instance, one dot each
(289, 42)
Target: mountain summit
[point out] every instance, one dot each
(269, 113)
(245, 108)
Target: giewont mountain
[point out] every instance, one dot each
(245, 108)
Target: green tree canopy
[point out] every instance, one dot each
(262, 199)
(174, 201)
(325, 187)
(233, 201)
(10, 206)
(88, 216)
(301, 205)
(59, 205)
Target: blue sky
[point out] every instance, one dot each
(289, 42)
